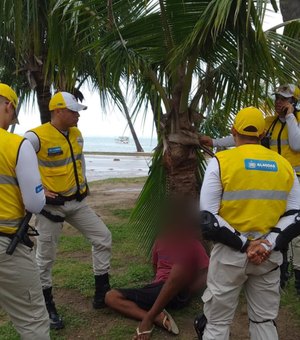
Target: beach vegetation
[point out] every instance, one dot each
(42, 51)
(196, 63)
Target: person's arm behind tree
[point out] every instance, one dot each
(225, 142)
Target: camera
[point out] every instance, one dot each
(265, 141)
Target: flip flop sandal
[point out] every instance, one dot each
(173, 327)
(138, 332)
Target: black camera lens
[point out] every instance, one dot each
(265, 141)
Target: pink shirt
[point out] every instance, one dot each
(189, 253)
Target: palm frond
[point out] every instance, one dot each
(146, 216)
(148, 213)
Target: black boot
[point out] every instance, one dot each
(297, 281)
(56, 322)
(101, 288)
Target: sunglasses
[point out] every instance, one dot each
(279, 96)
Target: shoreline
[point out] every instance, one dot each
(102, 165)
(117, 153)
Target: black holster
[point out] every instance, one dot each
(212, 231)
(288, 234)
(199, 325)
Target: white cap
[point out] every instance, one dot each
(288, 91)
(63, 100)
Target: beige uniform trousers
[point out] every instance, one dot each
(230, 271)
(84, 219)
(294, 249)
(295, 252)
(21, 292)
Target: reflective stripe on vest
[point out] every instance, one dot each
(11, 223)
(256, 183)
(254, 194)
(4, 179)
(61, 162)
(282, 141)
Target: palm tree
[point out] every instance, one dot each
(28, 29)
(203, 59)
(122, 100)
(23, 41)
(290, 9)
(195, 54)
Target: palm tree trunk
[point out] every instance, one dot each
(131, 127)
(290, 9)
(180, 157)
(157, 111)
(20, 102)
(43, 94)
(180, 162)
(43, 97)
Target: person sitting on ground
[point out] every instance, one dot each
(180, 265)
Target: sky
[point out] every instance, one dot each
(93, 121)
(96, 122)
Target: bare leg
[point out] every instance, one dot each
(115, 300)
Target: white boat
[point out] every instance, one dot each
(122, 140)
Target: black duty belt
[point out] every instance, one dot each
(78, 197)
(60, 200)
(11, 236)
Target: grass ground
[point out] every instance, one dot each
(74, 283)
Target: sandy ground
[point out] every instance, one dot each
(123, 195)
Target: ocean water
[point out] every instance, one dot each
(109, 144)
(109, 166)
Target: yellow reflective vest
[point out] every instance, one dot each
(279, 140)
(60, 160)
(11, 204)
(256, 182)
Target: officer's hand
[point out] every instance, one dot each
(287, 108)
(256, 252)
(50, 193)
(206, 141)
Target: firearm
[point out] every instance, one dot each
(21, 235)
